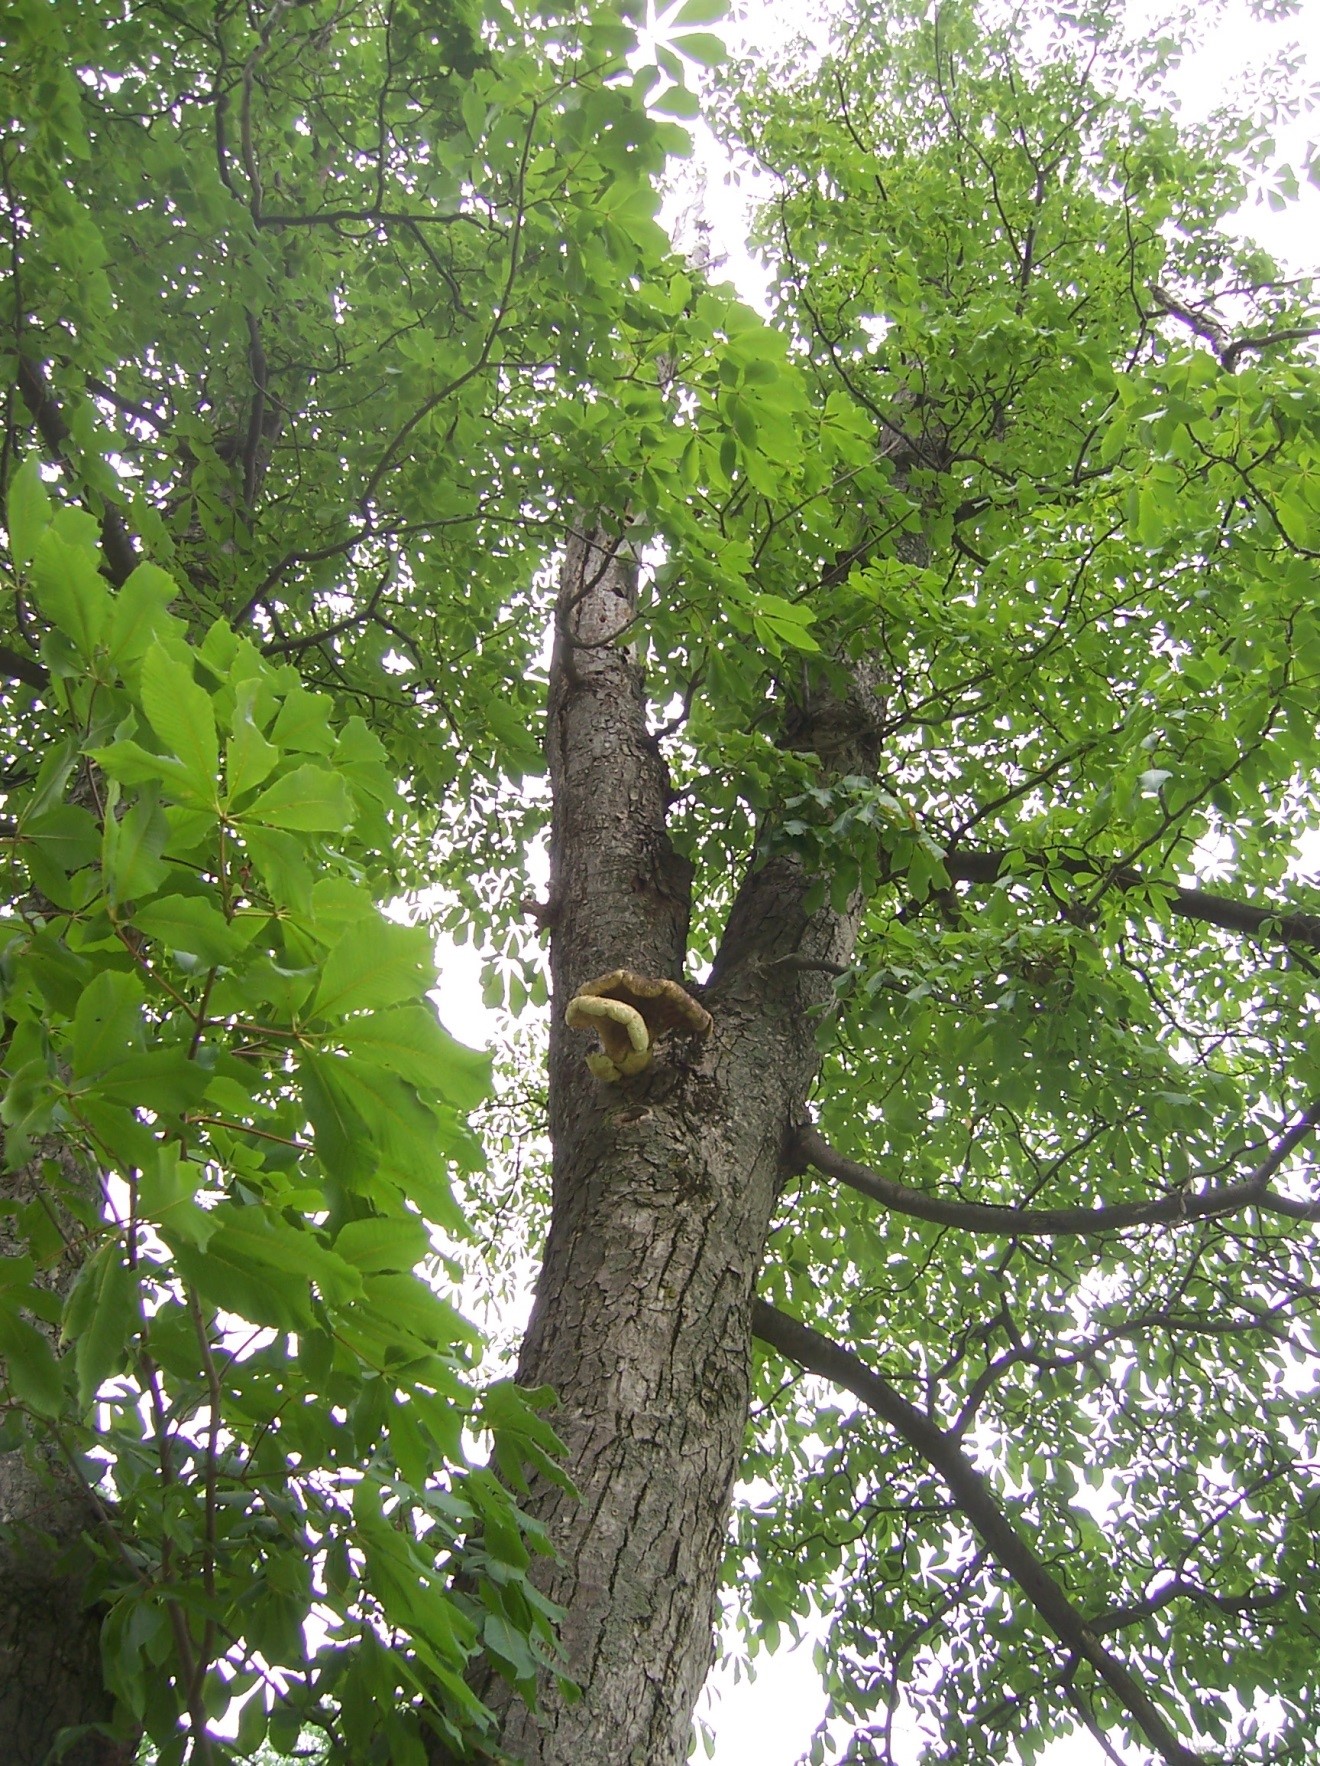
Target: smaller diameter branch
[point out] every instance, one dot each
(1189, 904)
(977, 1502)
(116, 542)
(1021, 1223)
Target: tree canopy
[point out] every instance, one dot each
(924, 675)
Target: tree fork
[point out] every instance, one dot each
(664, 1186)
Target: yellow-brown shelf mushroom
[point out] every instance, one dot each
(630, 1013)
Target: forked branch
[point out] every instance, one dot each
(1020, 1223)
(975, 1499)
(1189, 904)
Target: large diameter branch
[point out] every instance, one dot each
(619, 892)
(782, 946)
(15, 666)
(116, 542)
(1190, 904)
(975, 1499)
(1009, 1222)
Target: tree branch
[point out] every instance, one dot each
(116, 542)
(22, 668)
(140, 413)
(1190, 904)
(308, 640)
(257, 427)
(1266, 340)
(1021, 1223)
(371, 217)
(1205, 323)
(979, 1506)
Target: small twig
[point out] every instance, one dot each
(212, 1461)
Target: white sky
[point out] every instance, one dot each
(769, 1721)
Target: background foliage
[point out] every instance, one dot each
(231, 1108)
(320, 321)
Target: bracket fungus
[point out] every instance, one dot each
(630, 1013)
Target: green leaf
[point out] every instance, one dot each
(70, 591)
(702, 46)
(402, 1127)
(383, 1244)
(473, 108)
(310, 799)
(225, 1275)
(139, 613)
(99, 1349)
(190, 923)
(132, 847)
(251, 1236)
(375, 964)
(108, 1021)
(410, 1041)
(282, 861)
(182, 717)
(250, 758)
(167, 1189)
(27, 512)
(698, 12)
(510, 1646)
(677, 101)
(29, 1365)
(66, 834)
(343, 1140)
(129, 763)
(784, 622)
(303, 724)
(160, 1079)
(409, 1302)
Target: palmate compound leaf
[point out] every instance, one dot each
(957, 296)
(162, 1013)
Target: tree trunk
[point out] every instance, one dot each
(50, 1638)
(664, 1185)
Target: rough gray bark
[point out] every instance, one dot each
(50, 1638)
(663, 1191)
